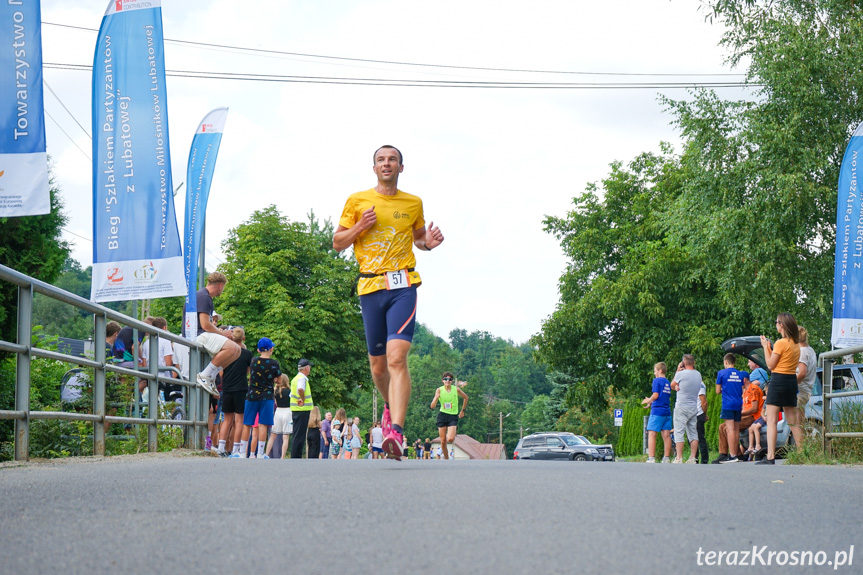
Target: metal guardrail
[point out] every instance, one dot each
(826, 360)
(25, 351)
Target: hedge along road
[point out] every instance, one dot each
(186, 513)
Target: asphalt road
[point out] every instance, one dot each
(180, 513)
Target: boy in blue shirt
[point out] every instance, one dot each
(729, 383)
(660, 413)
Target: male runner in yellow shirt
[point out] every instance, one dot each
(383, 224)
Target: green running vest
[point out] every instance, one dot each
(449, 398)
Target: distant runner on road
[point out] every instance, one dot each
(383, 224)
(447, 418)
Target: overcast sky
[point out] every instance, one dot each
(489, 164)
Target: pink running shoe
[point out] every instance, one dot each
(392, 445)
(386, 422)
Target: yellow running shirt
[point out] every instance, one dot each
(388, 245)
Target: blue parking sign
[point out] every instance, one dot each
(618, 413)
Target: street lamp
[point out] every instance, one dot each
(502, 417)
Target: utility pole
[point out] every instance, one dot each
(374, 404)
(501, 428)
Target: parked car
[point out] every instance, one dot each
(846, 377)
(561, 446)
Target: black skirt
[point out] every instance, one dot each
(782, 390)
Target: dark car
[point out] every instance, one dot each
(561, 446)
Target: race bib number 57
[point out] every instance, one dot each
(398, 279)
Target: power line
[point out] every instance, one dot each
(348, 81)
(418, 64)
(65, 108)
(67, 135)
(215, 257)
(74, 234)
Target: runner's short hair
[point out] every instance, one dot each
(448, 374)
(689, 360)
(730, 358)
(663, 369)
(401, 157)
(217, 278)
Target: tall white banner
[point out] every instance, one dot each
(199, 175)
(136, 242)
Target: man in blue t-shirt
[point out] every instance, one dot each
(758, 376)
(660, 414)
(729, 383)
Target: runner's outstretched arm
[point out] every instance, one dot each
(428, 240)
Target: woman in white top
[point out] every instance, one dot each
(377, 441)
(356, 440)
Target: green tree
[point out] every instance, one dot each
(32, 246)
(676, 253)
(770, 183)
(631, 296)
(286, 282)
(62, 319)
(537, 415)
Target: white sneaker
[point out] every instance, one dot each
(691, 461)
(651, 460)
(677, 460)
(208, 384)
(252, 456)
(666, 460)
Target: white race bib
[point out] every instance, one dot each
(447, 405)
(398, 279)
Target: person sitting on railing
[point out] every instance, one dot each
(217, 342)
(112, 329)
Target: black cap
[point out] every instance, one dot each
(303, 363)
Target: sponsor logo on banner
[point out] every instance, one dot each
(115, 275)
(119, 5)
(146, 272)
(206, 128)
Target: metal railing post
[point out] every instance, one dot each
(153, 386)
(99, 384)
(193, 401)
(22, 375)
(826, 415)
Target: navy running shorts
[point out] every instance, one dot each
(388, 314)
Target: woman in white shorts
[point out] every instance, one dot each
(283, 422)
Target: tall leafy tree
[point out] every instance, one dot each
(286, 282)
(631, 295)
(677, 252)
